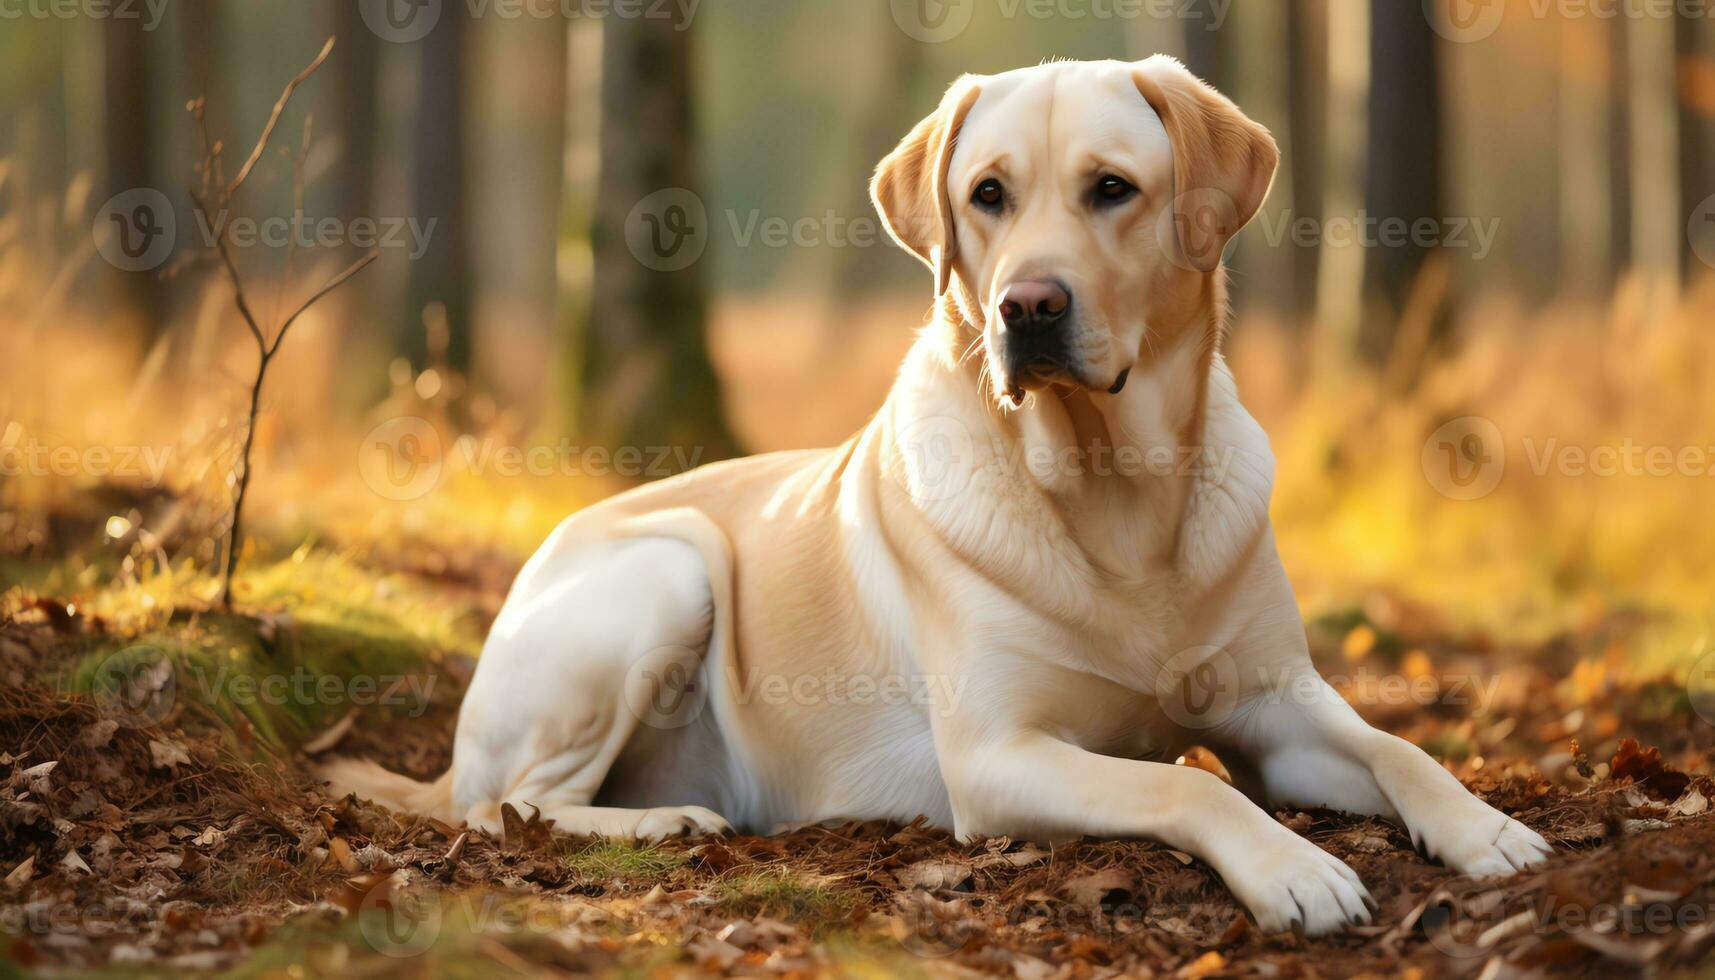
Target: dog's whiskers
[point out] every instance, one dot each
(971, 348)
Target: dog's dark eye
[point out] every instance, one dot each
(1113, 190)
(989, 194)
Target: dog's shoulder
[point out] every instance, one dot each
(1227, 512)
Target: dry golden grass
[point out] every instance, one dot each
(1556, 545)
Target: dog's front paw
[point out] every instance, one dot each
(679, 821)
(1290, 883)
(1486, 843)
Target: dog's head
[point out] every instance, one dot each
(1072, 208)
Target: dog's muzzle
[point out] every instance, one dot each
(1036, 318)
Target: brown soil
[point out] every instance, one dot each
(159, 847)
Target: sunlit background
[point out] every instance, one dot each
(561, 248)
(1495, 215)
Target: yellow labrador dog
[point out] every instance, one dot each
(1041, 571)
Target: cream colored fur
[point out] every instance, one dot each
(697, 651)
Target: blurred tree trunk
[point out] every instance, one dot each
(355, 121)
(646, 376)
(1307, 98)
(1620, 145)
(1404, 177)
(1658, 229)
(885, 117)
(347, 117)
(1340, 261)
(1208, 46)
(518, 162)
(437, 322)
(1694, 43)
(1255, 73)
(131, 124)
(1586, 268)
(200, 70)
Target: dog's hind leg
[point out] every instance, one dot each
(595, 640)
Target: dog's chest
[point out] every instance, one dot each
(1107, 713)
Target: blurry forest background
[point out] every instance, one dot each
(615, 238)
(1562, 155)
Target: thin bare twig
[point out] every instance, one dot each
(274, 119)
(221, 202)
(231, 266)
(332, 284)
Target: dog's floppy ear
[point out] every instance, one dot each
(1223, 162)
(910, 185)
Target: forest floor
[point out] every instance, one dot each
(158, 813)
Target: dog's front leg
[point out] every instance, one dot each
(1312, 749)
(1032, 785)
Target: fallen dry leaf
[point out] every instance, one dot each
(519, 834)
(714, 954)
(20, 875)
(1098, 886)
(333, 736)
(934, 874)
(167, 754)
(1645, 767)
(339, 850)
(1207, 965)
(1691, 804)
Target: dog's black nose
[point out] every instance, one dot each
(1031, 305)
